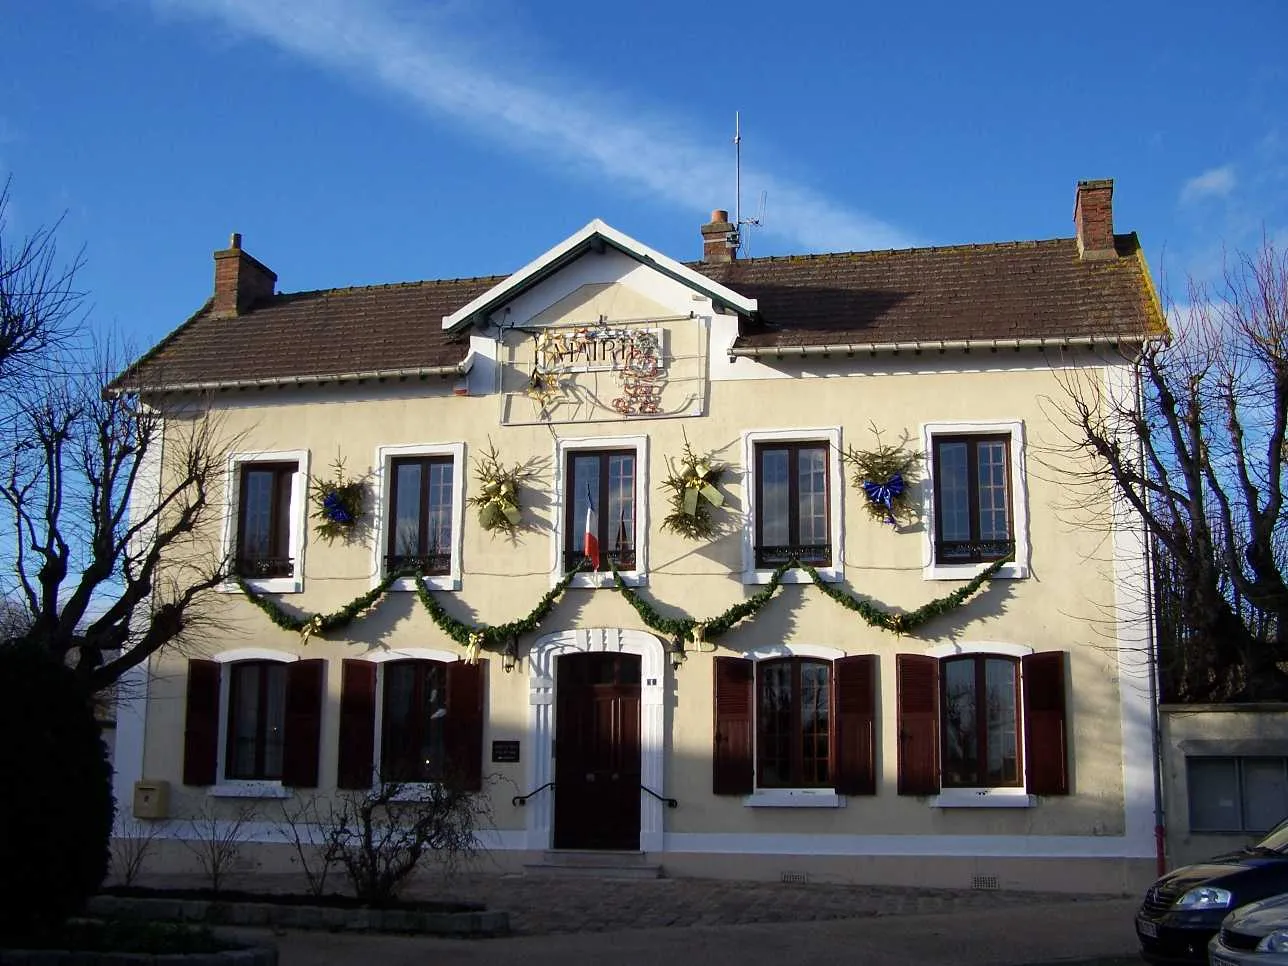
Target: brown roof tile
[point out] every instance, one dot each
(998, 291)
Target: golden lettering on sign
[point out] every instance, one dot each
(635, 354)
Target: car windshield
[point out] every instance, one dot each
(1276, 839)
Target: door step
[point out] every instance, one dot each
(586, 864)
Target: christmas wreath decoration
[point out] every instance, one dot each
(883, 475)
(338, 504)
(498, 498)
(692, 481)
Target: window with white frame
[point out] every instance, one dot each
(794, 502)
(975, 503)
(791, 723)
(1236, 793)
(265, 519)
(253, 721)
(602, 518)
(420, 505)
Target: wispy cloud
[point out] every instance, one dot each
(425, 56)
(1213, 183)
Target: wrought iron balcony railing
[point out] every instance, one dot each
(431, 564)
(816, 555)
(624, 558)
(254, 568)
(973, 551)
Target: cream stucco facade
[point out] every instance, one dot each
(1076, 586)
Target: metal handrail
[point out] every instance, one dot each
(670, 802)
(520, 800)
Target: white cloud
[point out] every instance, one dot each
(427, 58)
(1214, 183)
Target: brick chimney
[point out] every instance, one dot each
(240, 279)
(715, 238)
(1093, 219)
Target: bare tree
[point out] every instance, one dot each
(39, 302)
(112, 556)
(1199, 455)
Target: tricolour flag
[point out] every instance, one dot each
(590, 543)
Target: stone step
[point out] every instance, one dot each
(577, 863)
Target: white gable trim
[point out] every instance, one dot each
(550, 260)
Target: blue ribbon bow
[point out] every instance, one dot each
(884, 494)
(334, 509)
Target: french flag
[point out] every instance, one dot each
(590, 542)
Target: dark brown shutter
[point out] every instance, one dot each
(304, 688)
(464, 724)
(918, 686)
(854, 747)
(732, 771)
(357, 724)
(1046, 750)
(201, 729)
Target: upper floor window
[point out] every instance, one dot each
(420, 506)
(792, 504)
(256, 720)
(264, 519)
(420, 497)
(972, 481)
(600, 521)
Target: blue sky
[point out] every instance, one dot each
(365, 141)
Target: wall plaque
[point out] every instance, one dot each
(505, 751)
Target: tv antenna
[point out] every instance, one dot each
(735, 239)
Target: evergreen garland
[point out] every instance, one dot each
(902, 623)
(318, 623)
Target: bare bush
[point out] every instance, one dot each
(131, 846)
(217, 842)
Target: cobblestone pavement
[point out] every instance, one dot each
(543, 905)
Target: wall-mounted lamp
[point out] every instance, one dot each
(510, 656)
(677, 655)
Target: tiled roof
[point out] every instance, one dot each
(1011, 290)
(1014, 290)
(332, 332)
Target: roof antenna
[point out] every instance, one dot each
(735, 236)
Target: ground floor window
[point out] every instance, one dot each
(1236, 794)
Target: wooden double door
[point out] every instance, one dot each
(597, 751)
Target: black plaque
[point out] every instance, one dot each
(505, 751)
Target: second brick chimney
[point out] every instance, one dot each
(240, 279)
(715, 238)
(1093, 219)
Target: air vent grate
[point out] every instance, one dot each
(795, 878)
(983, 882)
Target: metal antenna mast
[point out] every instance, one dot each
(735, 241)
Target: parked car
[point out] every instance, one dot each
(1253, 935)
(1183, 910)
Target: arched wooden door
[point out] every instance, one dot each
(597, 751)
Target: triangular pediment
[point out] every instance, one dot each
(593, 239)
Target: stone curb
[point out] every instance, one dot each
(246, 956)
(213, 913)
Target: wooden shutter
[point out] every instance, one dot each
(357, 724)
(854, 748)
(918, 698)
(201, 728)
(732, 770)
(464, 723)
(304, 687)
(1046, 751)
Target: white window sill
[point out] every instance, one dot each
(794, 798)
(829, 575)
(983, 798)
(440, 582)
(266, 585)
(1012, 571)
(249, 790)
(602, 580)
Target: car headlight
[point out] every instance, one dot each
(1276, 942)
(1205, 897)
